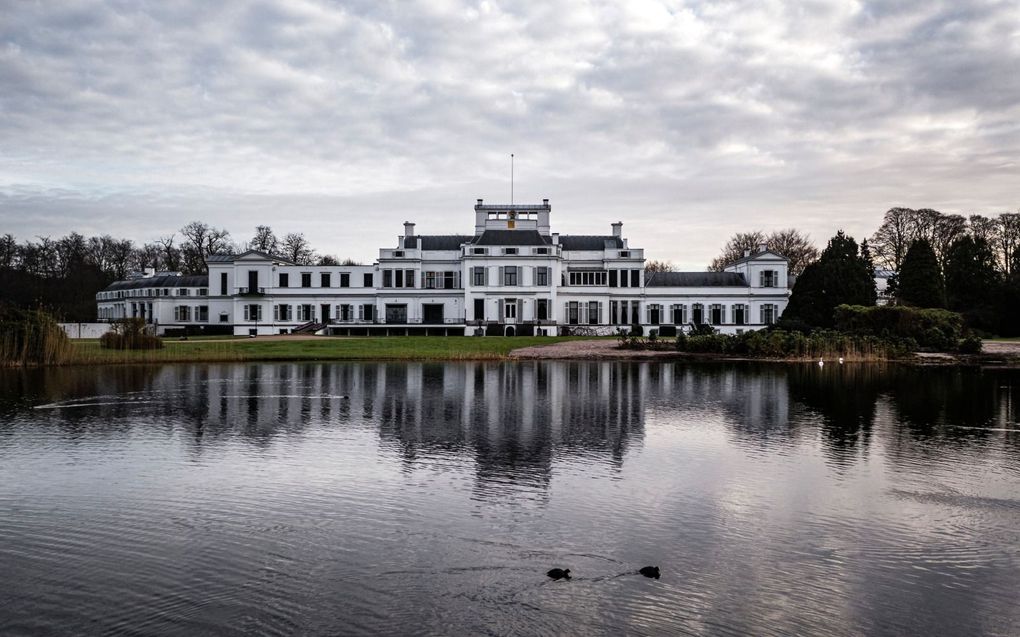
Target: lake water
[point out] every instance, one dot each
(432, 498)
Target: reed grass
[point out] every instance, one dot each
(32, 337)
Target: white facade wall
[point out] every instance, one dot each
(430, 282)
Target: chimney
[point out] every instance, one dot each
(747, 253)
(408, 229)
(545, 202)
(762, 247)
(556, 238)
(479, 202)
(618, 229)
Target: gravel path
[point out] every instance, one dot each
(601, 348)
(1011, 348)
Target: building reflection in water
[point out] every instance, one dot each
(514, 418)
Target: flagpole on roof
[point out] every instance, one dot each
(511, 179)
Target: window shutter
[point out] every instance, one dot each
(501, 280)
(502, 309)
(761, 279)
(775, 278)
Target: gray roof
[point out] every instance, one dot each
(758, 255)
(230, 258)
(694, 279)
(436, 241)
(590, 242)
(166, 281)
(511, 238)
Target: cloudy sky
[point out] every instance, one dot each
(686, 120)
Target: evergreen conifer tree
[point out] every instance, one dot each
(973, 284)
(844, 273)
(920, 280)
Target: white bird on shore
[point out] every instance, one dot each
(821, 363)
(840, 360)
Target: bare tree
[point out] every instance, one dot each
(890, 242)
(296, 248)
(659, 266)
(264, 240)
(171, 253)
(736, 247)
(121, 252)
(8, 252)
(200, 241)
(1008, 239)
(795, 246)
(791, 243)
(984, 228)
(945, 231)
(149, 255)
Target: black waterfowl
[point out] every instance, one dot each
(650, 571)
(559, 573)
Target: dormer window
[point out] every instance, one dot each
(769, 278)
(479, 251)
(541, 250)
(509, 250)
(398, 253)
(624, 254)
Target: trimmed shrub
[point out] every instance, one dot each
(971, 344)
(130, 333)
(781, 344)
(930, 328)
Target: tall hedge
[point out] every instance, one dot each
(930, 328)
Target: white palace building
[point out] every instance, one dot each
(512, 276)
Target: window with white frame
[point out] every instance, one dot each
(510, 274)
(253, 312)
(654, 314)
(479, 276)
(717, 313)
(739, 311)
(597, 277)
(594, 313)
(698, 314)
(679, 313)
(768, 314)
(769, 278)
(282, 313)
(542, 276)
(573, 313)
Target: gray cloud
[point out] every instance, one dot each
(688, 121)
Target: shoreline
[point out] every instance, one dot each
(997, 354)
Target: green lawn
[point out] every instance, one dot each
(324, 348)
